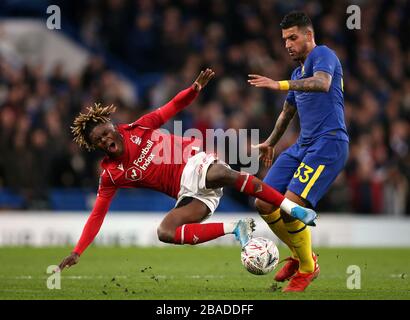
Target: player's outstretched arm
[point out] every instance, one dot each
(266, 148)
(90, 231)
(183, 99)
(320, 82)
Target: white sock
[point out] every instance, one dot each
(229, 227)
(287, 205)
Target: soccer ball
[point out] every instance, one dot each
(260, 256)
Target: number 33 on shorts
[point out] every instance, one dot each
(307, 174)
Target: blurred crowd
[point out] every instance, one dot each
(234, 38)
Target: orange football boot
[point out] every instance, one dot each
(288, 270)
(300, 281)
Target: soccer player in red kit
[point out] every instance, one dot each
(194, 178)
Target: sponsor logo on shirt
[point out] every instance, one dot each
(143, 161)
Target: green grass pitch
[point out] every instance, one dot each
(201, 272)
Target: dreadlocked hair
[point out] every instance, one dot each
(85, 122)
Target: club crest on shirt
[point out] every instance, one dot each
(135, 139)
(133, 174)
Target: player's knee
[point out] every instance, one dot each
(165, 234)
(259, 206)
(219, 175)
(263, 207)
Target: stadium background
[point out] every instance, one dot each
(159, 47)
(138, 54)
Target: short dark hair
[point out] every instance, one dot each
(296, 19)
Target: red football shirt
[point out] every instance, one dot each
(151, 159)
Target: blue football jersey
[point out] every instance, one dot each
(320, 113)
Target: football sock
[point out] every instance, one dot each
(254, 187)
(276, 224)
(300, 238)
(230, 227)
(195, 233)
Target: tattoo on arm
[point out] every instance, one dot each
(320, 82)
(282, 123)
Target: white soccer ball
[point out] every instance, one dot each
(260, 256)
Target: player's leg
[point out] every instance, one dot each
(278, 177)
(300, 236)
(324, 160)
(272, 216)
(220, 175)
(182, 225)
(307, 269)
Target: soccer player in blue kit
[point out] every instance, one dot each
(304, 171)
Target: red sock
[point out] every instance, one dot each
(252, 186)
(195, 233)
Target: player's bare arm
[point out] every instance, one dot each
(266, 148)
(287, 114)
(320, 82)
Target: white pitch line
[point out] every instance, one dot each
(400, 275)
(197, 276)
(63, 277)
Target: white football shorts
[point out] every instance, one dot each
(193, 181)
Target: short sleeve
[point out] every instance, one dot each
(324, 60)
